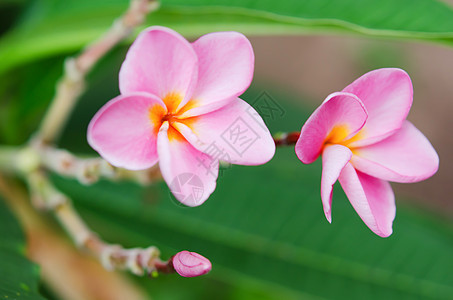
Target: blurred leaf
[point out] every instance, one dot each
(18, 276)
(9, 11)
(26, 93)
(264, 228)
(50, 27)
(404, 18)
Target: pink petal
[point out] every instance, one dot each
(339, 110)
(372, 198)
(123, 132)
(226, 63)
(334, 159)
(235, 133)
(190, 174)
(387, 96)
(405, 156)
(161, 62)
(191, 264)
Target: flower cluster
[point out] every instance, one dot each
(179, 107)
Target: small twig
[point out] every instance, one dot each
(137, 260)
(72, 84)
(86, 170)
(286, 139)
(90, 170)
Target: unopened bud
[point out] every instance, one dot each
(191, 264)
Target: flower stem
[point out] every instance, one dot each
(33, 162)
(24, 160)
(286, 139)
(90, 170)
(137, 260)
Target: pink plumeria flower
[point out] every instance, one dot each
(191, 264)
(179, 106)
(365, 141)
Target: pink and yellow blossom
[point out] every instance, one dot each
(365, 142)
(178, 102)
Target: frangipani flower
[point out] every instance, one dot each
(179, 106)
(365, 141)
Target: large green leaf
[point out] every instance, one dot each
(49, 27)
(264, 226)
(404, 18)
(264, 229)
(18, 276)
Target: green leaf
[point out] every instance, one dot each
(18, 276)
(264, 226)
(50, 27)
(25, 95)
(404, 18)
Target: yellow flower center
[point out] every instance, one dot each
(338, 136)
(158, 115)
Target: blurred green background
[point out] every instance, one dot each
(263, 228)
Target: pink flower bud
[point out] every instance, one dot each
(191, 264)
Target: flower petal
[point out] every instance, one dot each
(340, 112)
(226, 63)
(334, 159)
(405, 156)
(161, 62)
(387, 96)
(235, 133)
(190, 174)
(123, 132)
(372, 198)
